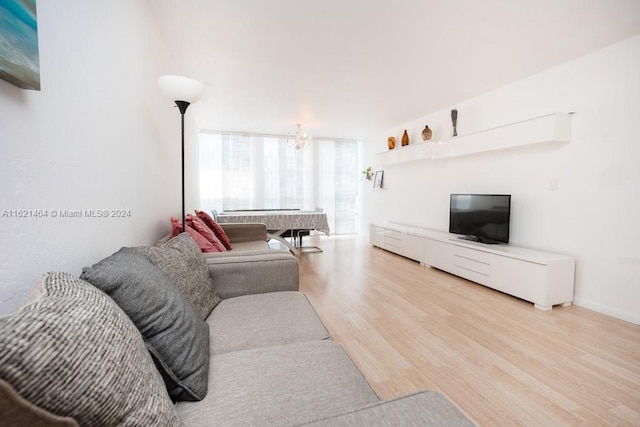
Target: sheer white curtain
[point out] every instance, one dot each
(245, 171)
(337, 183)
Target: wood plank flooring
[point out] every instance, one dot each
(409, 327)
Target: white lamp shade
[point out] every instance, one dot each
(180, 88)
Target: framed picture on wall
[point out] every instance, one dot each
(377, 182)
(19, 59)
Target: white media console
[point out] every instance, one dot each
(543, 278)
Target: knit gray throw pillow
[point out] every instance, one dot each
(176, 336)
(181, 260)
(74, 353)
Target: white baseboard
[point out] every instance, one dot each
(609, 311)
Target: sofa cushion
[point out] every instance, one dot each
(176, 336)
(254, 272)
(280, 385)
(71, 348)
(427, 408)
(254, 245)
(261, 320)
(215, 227)
(185, 266)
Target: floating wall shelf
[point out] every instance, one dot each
(408, 153)
(552, 128)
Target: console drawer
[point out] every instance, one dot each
(392, 242)
(480, 256)
(472, 265)
(392, 234)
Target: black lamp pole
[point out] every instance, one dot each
(182, 106)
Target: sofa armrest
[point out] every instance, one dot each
(427, 408)
(245, 232)
(254, 274)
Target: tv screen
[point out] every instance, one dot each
(480, 217)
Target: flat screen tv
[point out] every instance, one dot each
(480, 217)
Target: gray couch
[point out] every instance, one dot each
(252, 266)
(71, 354)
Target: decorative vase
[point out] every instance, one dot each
(391, 142)
(454, 121)
(426, 133)
(405, 138)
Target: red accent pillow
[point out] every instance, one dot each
(203, 244)
(215, 227)
(198, 225)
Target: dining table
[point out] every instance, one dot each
(279, 222)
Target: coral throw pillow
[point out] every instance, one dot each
(176, 227)
(198, 225)
(203, 243)
(215, 227)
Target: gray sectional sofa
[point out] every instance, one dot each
(144, 338)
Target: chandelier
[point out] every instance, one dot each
(300, 140)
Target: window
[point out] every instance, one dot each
(246, 171)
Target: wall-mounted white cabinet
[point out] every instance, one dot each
(552, 128)
(543, 278)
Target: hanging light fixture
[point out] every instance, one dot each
(300, 140)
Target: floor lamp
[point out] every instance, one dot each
(184, 91)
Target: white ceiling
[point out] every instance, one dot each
(345, 68)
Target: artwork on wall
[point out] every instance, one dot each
(19, 60)
(377, 182)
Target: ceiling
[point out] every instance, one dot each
(345, 68)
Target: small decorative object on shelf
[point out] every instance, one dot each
(454, 122)
(405, 138)
(368, 173)
(391, 142)
(426, 133)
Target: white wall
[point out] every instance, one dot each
(594, 213)
(98, 136)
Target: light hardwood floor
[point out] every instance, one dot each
(409, 327)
